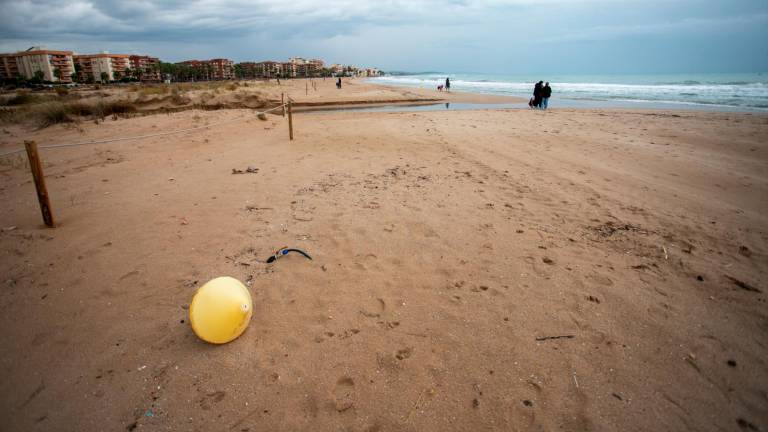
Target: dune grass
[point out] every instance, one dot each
(27, 98)
(51, 113)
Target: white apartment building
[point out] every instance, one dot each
(55, 66)
(93, 65)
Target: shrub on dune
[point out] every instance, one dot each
(179, 99)
(120, 106)
(24, 98)
(154, 90)
(80, 109)
(51, 113)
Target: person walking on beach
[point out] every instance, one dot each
(338, 84)
(546, 92)
(447, 84)
(537, 94)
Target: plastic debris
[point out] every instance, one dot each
(284, 251)
(220, 310)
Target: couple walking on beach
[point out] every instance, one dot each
(541, 95)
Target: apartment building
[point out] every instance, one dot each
(55, 66)
(214, 69)
(102, 66)
(368, 72)
(223, 69)
(302, 67)
(299, 66)
(314, 67)
(337, 69)
(246, 70)
(145, 68)
(9, 68)
(269, 69)
(288, 69)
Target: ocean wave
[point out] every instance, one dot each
(728, 93)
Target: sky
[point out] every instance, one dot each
(486, 36)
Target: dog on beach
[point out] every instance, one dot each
(440, 87)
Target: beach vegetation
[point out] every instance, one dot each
(53, 112)
(50, 113)
(23, 98)
(177, 98)
(154, 90)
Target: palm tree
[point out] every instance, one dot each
(104, 77)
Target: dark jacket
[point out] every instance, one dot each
(546, 91)
(537, 90)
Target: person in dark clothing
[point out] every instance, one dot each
(546, 92)
(338, 83)
(447, 84)
(537, 94)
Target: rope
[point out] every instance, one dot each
(140, 136)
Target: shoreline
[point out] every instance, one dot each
(610, 103)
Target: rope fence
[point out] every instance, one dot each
(36, 166)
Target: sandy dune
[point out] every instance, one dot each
(85, 103)
(478, 270)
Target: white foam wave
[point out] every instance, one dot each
(728, 94)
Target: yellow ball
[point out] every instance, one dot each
(220, 310)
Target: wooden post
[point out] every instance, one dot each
(306, 87)
(282, 101)
(37, 174)
(290, 119)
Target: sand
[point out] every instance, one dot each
(472, 270)
(305, 94)
(356, 91)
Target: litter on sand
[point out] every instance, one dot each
(220, 310)
(284, 251)
(249, 170)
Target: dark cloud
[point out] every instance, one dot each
(401, 34)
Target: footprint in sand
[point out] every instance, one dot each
(343, 394)
(404, 353)
(600, 279)
(207, 401)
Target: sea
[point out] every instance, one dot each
(715, 92)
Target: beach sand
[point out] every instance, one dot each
(357, 90)
(472, 270)
(306, 94)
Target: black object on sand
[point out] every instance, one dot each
(284, 251)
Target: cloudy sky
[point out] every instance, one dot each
(498, 36)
